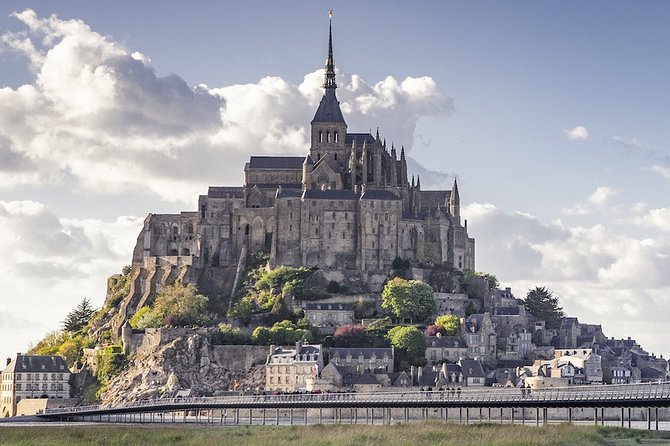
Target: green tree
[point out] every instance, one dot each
(450, 323)
(541, 303)
(180, 304)
(409, 343)
(261, 336)
(111, 361)
(408, 298)
(50, 343)
(78, 318)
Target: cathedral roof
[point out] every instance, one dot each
(276, 162)
(359, 137)
(221, 192)
(329, 109)
(432, 199)
(288, 193)
(373, 194)
(330, 194)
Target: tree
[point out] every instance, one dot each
(450, 323)
(180, 304)
(281, 333)
(350, 335)
(228, 335)
(541, 303)
(408, 298)
(409, 343)
(433, 330)
(77, 319)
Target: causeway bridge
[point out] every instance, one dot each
(467, 405)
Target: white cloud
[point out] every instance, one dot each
(600, 273)
(661, 170)
(658, 218)
(576, 134)
(54, 263)
(630, 143)
(597, 201)
(98, 116)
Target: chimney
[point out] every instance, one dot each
(9, 360)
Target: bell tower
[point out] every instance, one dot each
(329, 130)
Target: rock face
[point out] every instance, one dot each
(187, 360)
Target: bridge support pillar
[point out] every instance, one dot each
(602, 416)
(570, 415)
(251, 416)
(629, 417)
(512, 415)
(320, 415)
(537, 416)
(489, 420)
(523, 415)
(223, 416)
(263, 415)
(290, 416)
(467, 415)
(501, 415)
(277, 416)
(622, 417)
(480, 415)
(656, 418)
(545, 416)
(595, 416)
(305, 419)
(649, 418)
(356, 415)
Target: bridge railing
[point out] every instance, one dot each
(609, 393)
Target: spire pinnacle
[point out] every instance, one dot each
(329, 81)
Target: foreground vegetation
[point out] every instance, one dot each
(338, 435)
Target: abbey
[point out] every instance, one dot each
(348, 205)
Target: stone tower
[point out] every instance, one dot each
(329, 129)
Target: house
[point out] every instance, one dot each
(480, 336)
(585, 359)
(517, 344)
(473, 372)
(287, 369)
(329, 315)
(440, 348)
(620, 375)
(356, 361)
(31, 377)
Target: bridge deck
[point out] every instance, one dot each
(629, 395)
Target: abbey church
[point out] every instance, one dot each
(347, 205)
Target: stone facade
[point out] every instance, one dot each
(349, 204)
(29, 376)
(329, 314)
(289, 369)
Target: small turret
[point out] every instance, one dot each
(307, 167)
(364, 164)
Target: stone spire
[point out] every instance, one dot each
(455, 203)
(329, 80)
(329, 107)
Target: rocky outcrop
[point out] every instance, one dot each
(187, 361)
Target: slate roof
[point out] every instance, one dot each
(472, 368)
(432, 199)
(275, 185)
(367, 353)
(288, 193)
(35, 363)
(568, 323)
(329, 109)
(221, 192)
(379, 195)
(474, 323)
(366, 378)
(330, 194)
(329, 307)
(276, 162)
(506, 311)
(359, 137)
(651, 373)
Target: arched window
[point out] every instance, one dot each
(327, 136)
(247, 230)
(320, 136)
(175, 230)
(189, 228)
(173, 252)
(185, 252)
(335, 138)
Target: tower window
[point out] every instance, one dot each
(320, 136)
(327, 136)
(335, 138)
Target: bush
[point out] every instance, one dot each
(111, 361)
(226, 334)
(450, 323)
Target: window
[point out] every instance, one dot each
(335, 138)
(320, 136)
(327, 136)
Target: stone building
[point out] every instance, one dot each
(357, 361)
(329, 315)
(440, 348)
(29, 377)
(349, 204)
(288, 369)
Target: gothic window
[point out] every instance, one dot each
(175, 230)
(327, 136)
(185, 252)
(320, 136)
(335, 138)
(173, 252)
(247, 230)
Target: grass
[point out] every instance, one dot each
(424, 434)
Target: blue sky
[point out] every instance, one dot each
(551, 114)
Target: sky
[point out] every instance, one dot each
(551, 115)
